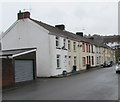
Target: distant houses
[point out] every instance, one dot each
(58, 50)
(111, 41)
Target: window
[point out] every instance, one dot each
(86, 47)
(69, 61)
(58, 61)
(84, 61)
(88, 59)
(65, 61)
(92, 60)
(89, 48)
(64, 43)
(75, 60)
(74, 46)
(97, 49)
(97, 60)
(57, 41)
(69, 48)
(92, 48)
(83, 47)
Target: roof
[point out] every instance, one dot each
(63, 33)
(15, 52)
(106, 39)
(115, 38)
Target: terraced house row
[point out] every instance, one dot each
(57, 50)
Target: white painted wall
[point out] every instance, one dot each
(53, 55)
(27, 34)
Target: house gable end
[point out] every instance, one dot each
(9, 29)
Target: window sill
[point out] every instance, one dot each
(58, 68)
(58, 48)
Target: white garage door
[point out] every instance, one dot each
(23, 70)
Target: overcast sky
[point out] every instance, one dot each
(89, 17)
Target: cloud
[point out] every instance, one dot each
(93, 17)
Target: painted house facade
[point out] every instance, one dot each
(57, 49)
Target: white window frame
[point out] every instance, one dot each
(74, 46)
(84, 61)
(69, 60)
(75, 60)
(69, 45)
(64, 43)
(58, 58)
(57, 41)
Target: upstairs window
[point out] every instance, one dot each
(69, 44)
(83, 47)
(64, 43)
(86, 47)
(89, 48)
(57, 42)
(92, 48)
(74, 46)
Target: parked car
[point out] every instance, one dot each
(118, 67)
(107, 64)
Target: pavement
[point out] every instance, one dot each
(93, 84)
(77, 72)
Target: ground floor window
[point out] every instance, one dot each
(65, 61)
(97, 60)
(87, 60)
(84, 61)
(58, 61)
(69, 60)
(92, 60)
(100, 59)
(75, 60)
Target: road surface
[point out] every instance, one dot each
(98, 84)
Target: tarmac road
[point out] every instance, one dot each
(98, 84)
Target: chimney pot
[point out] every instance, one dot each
(79, 33)
(22, 15)
(62, 27)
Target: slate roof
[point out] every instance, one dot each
(63, 33)
(106, 39)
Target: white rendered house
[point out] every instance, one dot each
(52, 43)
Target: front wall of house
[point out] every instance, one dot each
(54, 51)
(86, 53)
(74, 53)
(27, 34)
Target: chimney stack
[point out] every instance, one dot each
(79, 33)
(92, 38)
(22, 15)
(61, 27)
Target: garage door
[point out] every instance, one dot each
(23, 70)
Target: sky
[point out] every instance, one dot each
(95, 17)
